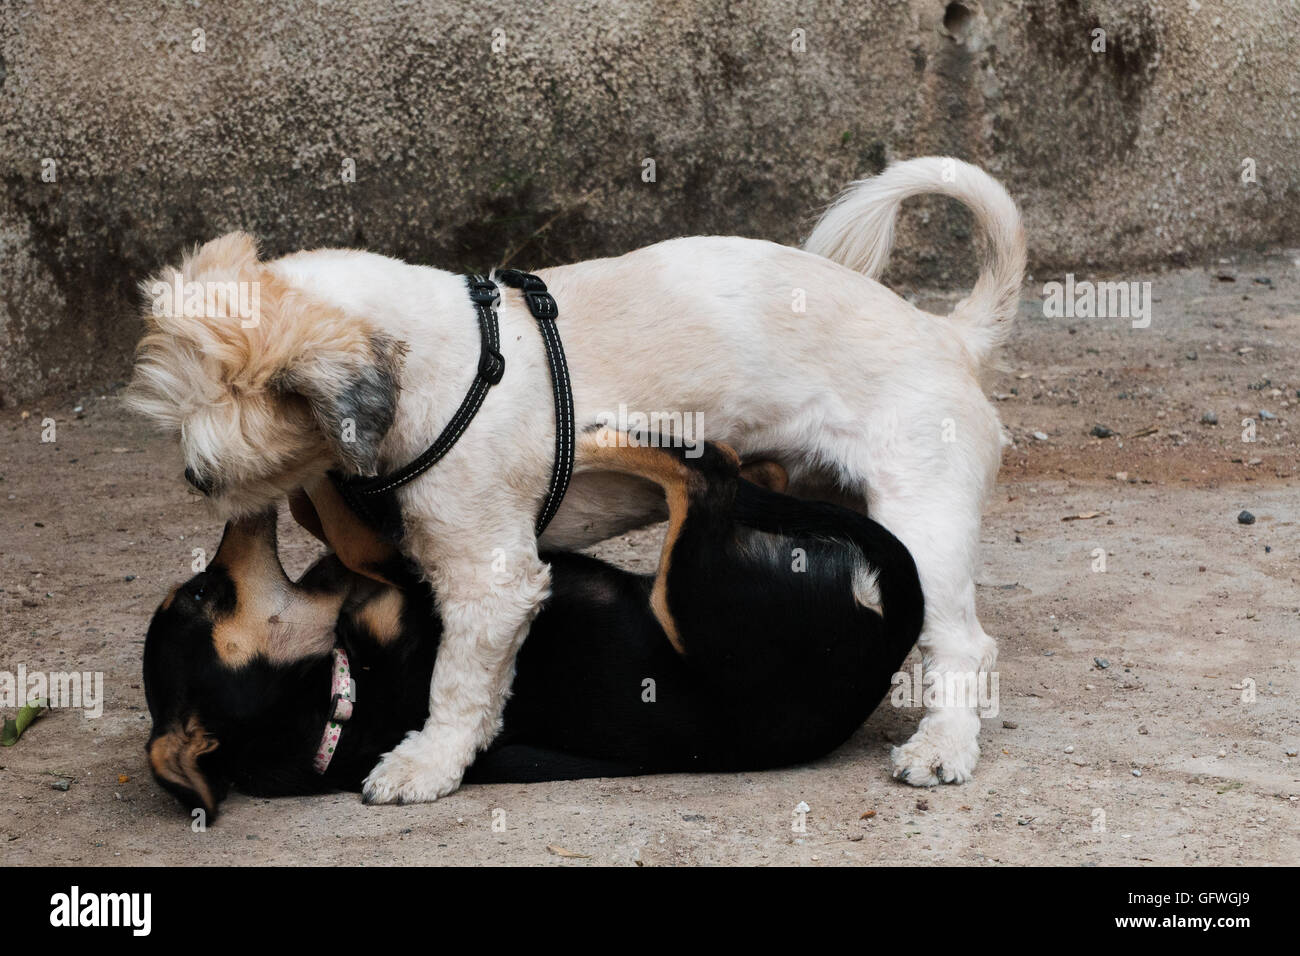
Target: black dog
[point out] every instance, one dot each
(747, 650)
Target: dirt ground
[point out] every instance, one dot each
(1162, 756)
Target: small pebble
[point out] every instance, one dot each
(1142, 729)
(1136, 772)
(1266, 415)
(1245, 518)
(1041, 436)
(1292, 752)
(1191, 356)
(1101, 431)
(1209, 418)
(61, 785)
(129, 577)
(1101, 662)
(1010, 725)
(1070, 749)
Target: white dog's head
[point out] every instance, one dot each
(265, 386)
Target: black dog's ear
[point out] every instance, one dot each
(175, 756)
(352, 394)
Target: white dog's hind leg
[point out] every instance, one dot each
(486, 611)
(955, 652)
(957, 656)
(930, 496)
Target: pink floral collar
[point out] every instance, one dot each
(343, 694)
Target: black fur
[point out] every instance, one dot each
(781, 665)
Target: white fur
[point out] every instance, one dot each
(854, 396)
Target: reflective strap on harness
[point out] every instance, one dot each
(365, 495)
(542, 305)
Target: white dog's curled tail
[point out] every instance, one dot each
(858, 231)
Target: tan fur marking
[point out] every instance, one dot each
(247, 554)
(381, 616)
(766, 474)
(359, 547)
(608, 450)
(305, 627)
(271, 617)
(678, 505)
(175, 755)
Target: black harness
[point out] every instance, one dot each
(373, 499)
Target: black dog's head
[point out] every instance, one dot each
(229, 655)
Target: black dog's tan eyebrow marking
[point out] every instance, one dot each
(381, 616)
(605, 449)
(171, 596)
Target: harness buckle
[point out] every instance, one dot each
(542, 305)
(483, 292)
(491, 365)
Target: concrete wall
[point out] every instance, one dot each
(1119, 159)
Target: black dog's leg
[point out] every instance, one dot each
(699, 484)
(522, 763)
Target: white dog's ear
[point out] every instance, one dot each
(352, 395)
(197, 342)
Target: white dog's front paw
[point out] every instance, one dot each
(943, 750)
(415, 771)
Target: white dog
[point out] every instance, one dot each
(356, 361)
